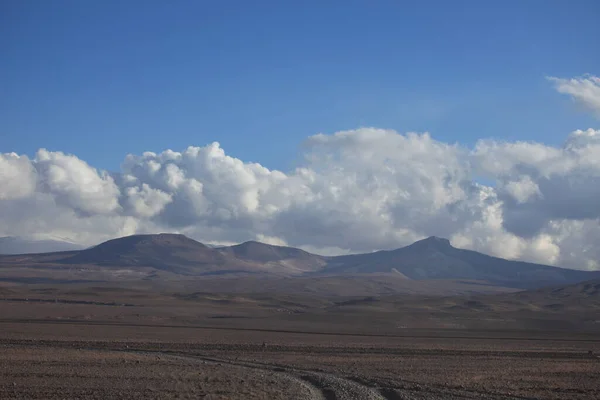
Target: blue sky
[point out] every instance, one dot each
(101, 79)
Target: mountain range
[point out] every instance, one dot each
(27, 245)
(172, 255)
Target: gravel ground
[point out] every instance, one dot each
(51, 369)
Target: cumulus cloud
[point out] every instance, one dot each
(75, 184)
(585, 90)
(538, 184)
(355, 191)
(146, 202)
(17, 177)
(374, 188)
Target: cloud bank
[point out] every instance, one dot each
(355, 191)
(584, 90)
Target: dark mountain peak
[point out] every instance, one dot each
(437, 239)
(128, 243)
(139, 249)
(262, 252)
(170, 239)
(432, 242)
(253, 243)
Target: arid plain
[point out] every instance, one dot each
(357, 335)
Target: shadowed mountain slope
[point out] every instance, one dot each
(167, 254)
(170, 252)
(291, 257)
(435, 258)
(182, 255)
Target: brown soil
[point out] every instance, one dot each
(233, 364)
(79, 342)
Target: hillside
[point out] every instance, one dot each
(436, 258)
(568, 307)
(171, 256)
(169, 252)
(179, 255)
(585, 293)
(290, 257)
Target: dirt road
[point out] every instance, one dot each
(59, 369)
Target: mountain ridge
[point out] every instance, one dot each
(432, 258)
(11, 245)
(436, 258)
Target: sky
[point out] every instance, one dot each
(337, 126)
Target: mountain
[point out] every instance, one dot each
(182, 255)
(168, 252)
(178, 254)
(171, 256)
(24, 245)
(292, 258)
(436, 258)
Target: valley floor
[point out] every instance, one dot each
(78, 341)
(99, 361)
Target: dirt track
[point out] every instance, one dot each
(165, 347)
(293, 369)
(97, 374)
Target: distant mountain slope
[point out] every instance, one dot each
(429, 259)
(291, 257)
(182, 255)
(170, 252)
(23, 245)
(435, 258)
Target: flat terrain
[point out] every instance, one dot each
(114, 362)
(73, 342)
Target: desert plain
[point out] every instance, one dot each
(110, 341)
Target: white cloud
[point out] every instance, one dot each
(523, 190)
(585, 90)
(355, 191)
(145, 201)
(374, 188)
(75, 184)
(275, 241)
(17, 177)
(538, 184)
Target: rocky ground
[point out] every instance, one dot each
(234, 364)
(81, 342)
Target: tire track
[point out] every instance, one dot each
(323, 386)
(328, 386)
(319, 385)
